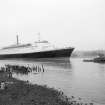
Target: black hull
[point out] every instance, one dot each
(46, 54)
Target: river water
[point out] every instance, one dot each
(72, 76)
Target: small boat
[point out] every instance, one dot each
(99, 59)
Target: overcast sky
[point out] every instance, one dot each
(78, 23)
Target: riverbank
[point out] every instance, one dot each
(18, 92)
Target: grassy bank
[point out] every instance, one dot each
(18, 92)
(23, 93)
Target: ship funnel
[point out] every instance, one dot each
(17, 39)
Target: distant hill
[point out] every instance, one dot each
(88, 53)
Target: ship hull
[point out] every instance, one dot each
(45, 54)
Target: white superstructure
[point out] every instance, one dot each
(27, 48)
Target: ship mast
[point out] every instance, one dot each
(39, 36)
(17, 40)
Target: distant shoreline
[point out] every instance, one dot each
(87, 54)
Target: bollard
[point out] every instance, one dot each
(42, 68)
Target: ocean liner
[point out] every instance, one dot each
(40, 49)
